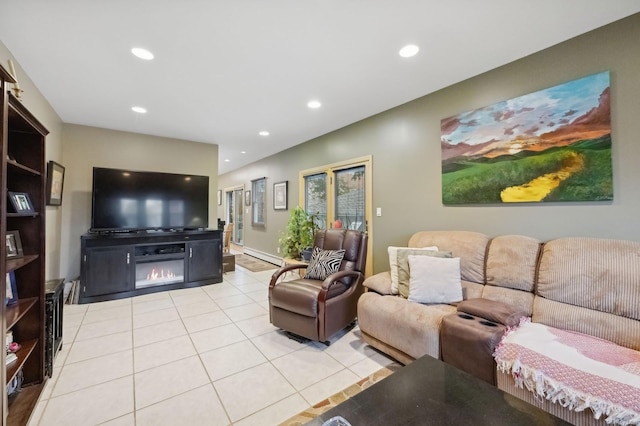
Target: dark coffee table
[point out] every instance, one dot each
(430, 392)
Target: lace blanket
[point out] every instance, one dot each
(573, 369)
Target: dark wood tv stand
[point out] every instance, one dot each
(119, 265)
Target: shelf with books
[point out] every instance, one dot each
(23, 354)
(22, 217)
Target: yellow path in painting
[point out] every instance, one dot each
(540, 187)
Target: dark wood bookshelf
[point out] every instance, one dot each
(24, 352)
(22, 170)
(14, 264)
(14, 313)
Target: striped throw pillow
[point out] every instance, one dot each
(323, 263)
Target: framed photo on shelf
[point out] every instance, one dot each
(280, 195)
(247, 198)
(14, 245)
(21, 202)
(12, 290)
(55, 182)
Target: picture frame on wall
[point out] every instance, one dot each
(219, 197)
(280, 198)
(14, 245)
(11, 297)
(247, 198)
(21, 202)
(55, 183)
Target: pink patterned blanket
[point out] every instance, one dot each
(576, 370)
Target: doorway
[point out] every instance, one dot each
(234, 213)
(339, 195)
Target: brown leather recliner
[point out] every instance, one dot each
(317, 309)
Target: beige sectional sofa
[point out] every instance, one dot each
(584, 285)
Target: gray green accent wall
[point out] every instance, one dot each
(86, 147)
(405, 145)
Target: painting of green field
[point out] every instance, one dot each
(548, 146)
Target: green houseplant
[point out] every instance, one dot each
(299, 233)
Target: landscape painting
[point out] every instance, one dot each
(551, 145)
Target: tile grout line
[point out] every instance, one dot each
(240, 284)
(133, 370)
(226, 413)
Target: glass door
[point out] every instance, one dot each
(340, 195)
(350, 207)
(234, 213)
(315, 200)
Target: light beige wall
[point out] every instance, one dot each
(40, 108)
(405, 145)
(86, 147)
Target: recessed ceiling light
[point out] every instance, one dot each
(139, 109)
(409, 50)
(226, 160)
(264, 133)
(142, 53)
(243, 152)
(314, 104)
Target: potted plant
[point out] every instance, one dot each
(299, 234)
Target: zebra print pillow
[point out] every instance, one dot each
(323, 263)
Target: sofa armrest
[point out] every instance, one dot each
(380, 283)
(492, 310)
(283, 270)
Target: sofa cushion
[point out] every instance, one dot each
(301, 295)
(434, 279)
(411, 328)
(469, 246)
(522, 300)
(404, 271)
(499, 312)
(471, 290)
(380, 282)
(598, 274)
(512, 261)
(393, 263)
(620, 330)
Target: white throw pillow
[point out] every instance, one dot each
(393, 264)
(434, 279)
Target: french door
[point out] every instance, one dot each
(234, 208)
(340, 196)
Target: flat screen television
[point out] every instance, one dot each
(127, 200)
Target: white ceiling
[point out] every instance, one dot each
(225, 70)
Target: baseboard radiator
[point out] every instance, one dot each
(263, 256)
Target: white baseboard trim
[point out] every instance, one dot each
(263, 256)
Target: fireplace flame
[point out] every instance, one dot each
(160, 274)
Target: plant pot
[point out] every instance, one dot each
(306, 254)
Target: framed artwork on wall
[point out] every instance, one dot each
(247, 198)
(280, 195)
(219, 197)
(55, 183)
(553, 145)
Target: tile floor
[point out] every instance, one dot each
(199, 356)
